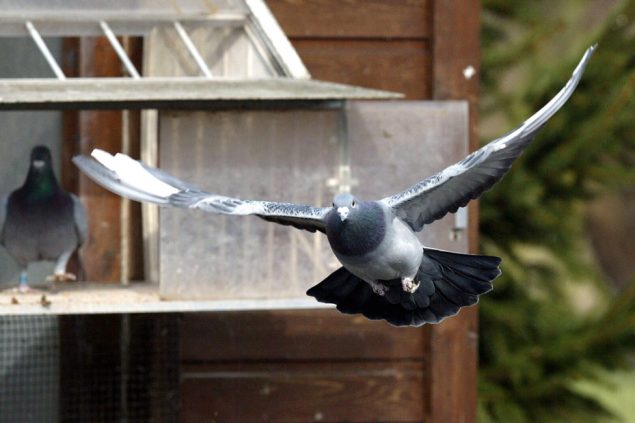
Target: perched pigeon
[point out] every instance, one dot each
(386, 274)
(39, 221)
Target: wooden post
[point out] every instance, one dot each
(454, 344)
(85, 130)
(100, 129)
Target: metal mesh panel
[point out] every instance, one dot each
(103, 368)
(29, 371)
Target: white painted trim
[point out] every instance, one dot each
(265, 24)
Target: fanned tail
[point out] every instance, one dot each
(448, 281)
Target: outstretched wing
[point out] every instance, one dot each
(454, 187)
(132, 179)
(297, 215)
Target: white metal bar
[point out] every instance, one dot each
(129, 23)
(192, 49)
(114, 42)
(150, 212)
(45, 51)
(261, 50)
(265, 24)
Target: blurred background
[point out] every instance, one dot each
(557, 335)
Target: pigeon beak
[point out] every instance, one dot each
(343, 212)
(38, 164)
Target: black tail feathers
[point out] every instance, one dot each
(448, 281)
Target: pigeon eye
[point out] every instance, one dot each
(333, 204)
(354, 204)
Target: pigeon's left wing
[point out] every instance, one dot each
(454, 187)
(132, 179)
(80, 219)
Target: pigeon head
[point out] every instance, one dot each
(354, 227)
(346, 205)
(40, 157)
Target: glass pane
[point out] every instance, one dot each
(270, 155)
(228, 52)
(289, 156)
(407, 141)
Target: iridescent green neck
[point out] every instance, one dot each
(40, 183)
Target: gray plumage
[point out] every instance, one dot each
(387, 273)
(39, 221)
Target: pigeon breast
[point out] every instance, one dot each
(39, 229)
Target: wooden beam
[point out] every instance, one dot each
(300, 335)
(100, 129)
(396, 19)
(84, 130)
(381, 391)
(452, 356)
(170, 92)
(395, 65)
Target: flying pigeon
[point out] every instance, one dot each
(387, 273)
(39, 221)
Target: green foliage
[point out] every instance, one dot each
(535, 343)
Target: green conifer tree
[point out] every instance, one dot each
(536, 342)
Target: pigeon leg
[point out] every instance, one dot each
(59, 273)
(24, 282)
(409, 285)
(379, 288)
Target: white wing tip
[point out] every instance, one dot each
(585, 59)
(130, 172)
(103, 157)
(248, 208)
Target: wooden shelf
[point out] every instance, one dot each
(101, 298)
(171, 92)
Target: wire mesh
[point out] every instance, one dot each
(29, 371)
(104, 368)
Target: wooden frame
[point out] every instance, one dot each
(427, 49)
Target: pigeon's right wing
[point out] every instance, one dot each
(300, 216)
(454, 187)
(132, 179)
(126, 177)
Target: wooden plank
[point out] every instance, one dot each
(100, 129)
(135, 255)
(166, 92)
(325, 392)
(353, 18)
(452, 372)
(294, 335)
(86, 130)
(453, 345)
(456, 50)
(138, 298)
(402, 66)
